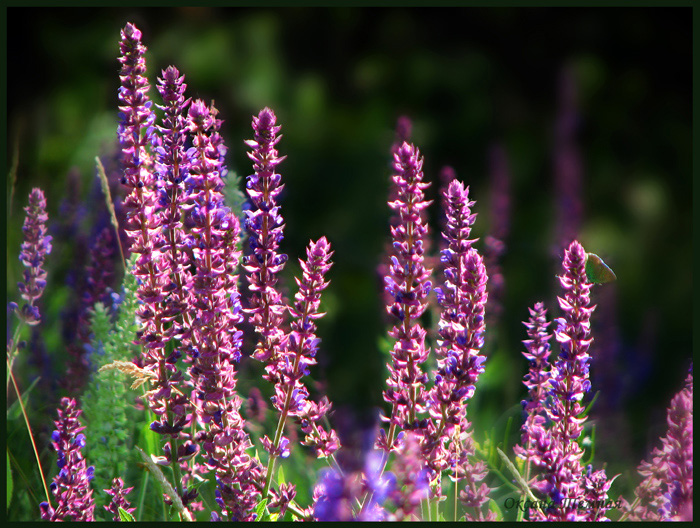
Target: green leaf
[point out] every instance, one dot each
(280, 476)
(125, 516)
(261, 511)
(597, 271)
(9, 480)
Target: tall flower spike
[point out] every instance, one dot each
(408, 285)
(303, 344)
(291, 396)
(144, 226)
(216, 341)
(71, 486)
(557, 451)
(265, 227)
(172, 163)
(36, 245)
(462, 298)
(135, 130)
(537, 379)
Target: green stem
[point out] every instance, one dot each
(29, 430)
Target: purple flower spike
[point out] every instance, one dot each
(303, 344)
(291, 396)
(172, 165)
(556, 451)
(136, 127)
(118, 493)
(71, 487)
(144, 226)
(36, 245)
(461, 329)
(408, 284)
(666, 493)
(265, 227)
(537, 380)
(215, 343)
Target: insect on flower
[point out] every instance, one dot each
(597, 271)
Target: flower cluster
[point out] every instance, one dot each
(216, 340)
(291, 396)
(172, 165)
(146, 211)
(36, 245)
(265, 226)
(537, 379)
(461, 328)
(666, 493)
(408, 285)
(555, 450)
(340, 488)
(301, 350)
(412, 479)
(183, 307)
(71, 487)
(118, 493)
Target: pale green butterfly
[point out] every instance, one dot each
(597, 271)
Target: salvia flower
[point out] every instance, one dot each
(341, 488)
(556, 451)
(461, 328)
(172, 165)
(216, 341)
(412, 481)
(265, 227)
(666, 493)
(475, 494)
(408, 284)
(135, 130)
(144, 226)
(291, 396)
(537, 379)
(302, 346)
(36, 245)
(71, 487)
(457, 375)
(118, 493)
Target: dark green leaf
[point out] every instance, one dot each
(9, 481)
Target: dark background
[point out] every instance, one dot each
(469, 78)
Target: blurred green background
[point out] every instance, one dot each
(468, 78)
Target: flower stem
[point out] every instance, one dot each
(29, 430)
